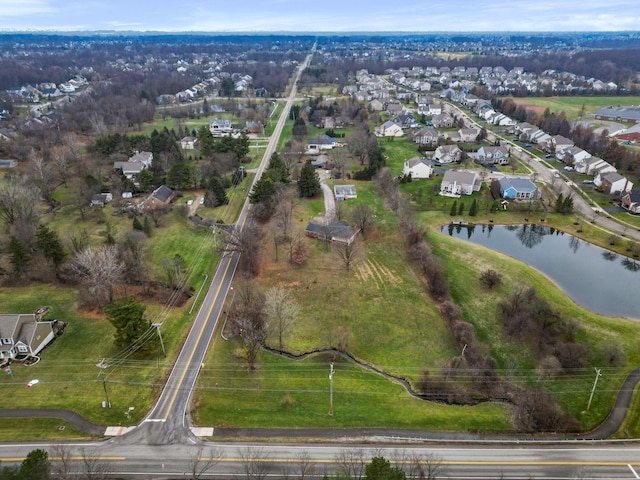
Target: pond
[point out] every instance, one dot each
(595, 278)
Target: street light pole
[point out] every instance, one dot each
(331, 390)
(595, 382)
(158, 325)
(102, 366)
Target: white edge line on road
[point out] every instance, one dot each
(633, 471)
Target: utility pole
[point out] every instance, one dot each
(158, 325)
(102, 366)
(331, 390)
(595, 382)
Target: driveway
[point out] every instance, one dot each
(329, 200)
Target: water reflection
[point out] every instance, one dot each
(593, 277)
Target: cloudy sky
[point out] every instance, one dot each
(321, 16)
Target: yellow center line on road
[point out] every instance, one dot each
(193, 352)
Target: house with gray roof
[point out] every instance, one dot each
(23, 335)
(418, 167)
(519, 189)
(613, 182)
(457, 182)
(345, 192)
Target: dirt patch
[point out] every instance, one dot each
(154, 293)
(529, 106)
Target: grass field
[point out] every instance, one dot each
(393, 325)
(572, 106)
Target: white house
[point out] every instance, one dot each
(447, 153)
(389, 129)
(22, 335)
(418, 167)
(493, 155)
(456, 183)
(613, 182)
(188, 143)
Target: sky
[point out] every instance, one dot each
(321, 16)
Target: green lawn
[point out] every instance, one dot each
(572, 106)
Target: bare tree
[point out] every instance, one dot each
(199, 465)
(247, 320)
(19, 205)
(281, 310)
(41, 176)
(246, 242)
(352, 461)
(348, 252)
(305, 465)
(98, 270)
(421, 467)
(254, 462)
(93, 467)
(133, 250)
(283, 215)
(363, 217)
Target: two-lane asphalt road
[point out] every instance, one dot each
(168, 422)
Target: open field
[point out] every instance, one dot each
(393, 325)
(572, 106)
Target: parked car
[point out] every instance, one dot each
(190, 202)
(201, 201)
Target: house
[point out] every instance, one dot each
(468, 134)
(320, 142)
(24, 335)
(159, 198)
(189, 143)
(376, 105)
(493, 155)
(145, 158)
(612, 182)
(631, 201)
(322, 161)
(426, 136)
(592, 166)
(572, 155)
(447, 153)
(101, 199)
(444, 120)
(337, 231)
(129, 169)
(560, 143)
(519, 189)
(394, 109)
(219, 126)
(258, 128)
(418, 167)
(406, 120)
(389, 129)
(457, 182)
(345, 192)
(631, 134)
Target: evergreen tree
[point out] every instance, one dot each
(180, 176)
(216, 193)
(262, 190)
(473, 211)
(381, 469)
(461, 208)
(48, 241)
(18, 256)
(206, 141)
(127, 316)
(35, 466)
(309, 182)
(146, 226)
(145, 180)
(454, 209)
(136, 224)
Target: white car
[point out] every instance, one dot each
(190, 202)
(201, 201)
